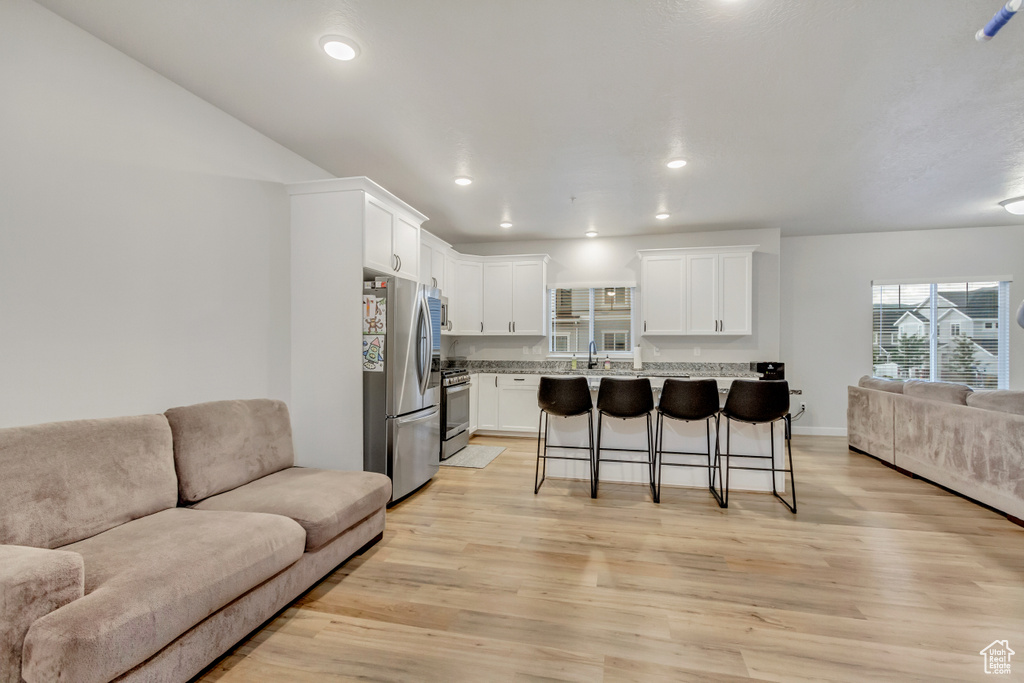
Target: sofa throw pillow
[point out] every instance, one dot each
(894, 386)
(1000, 401)
(946, 392)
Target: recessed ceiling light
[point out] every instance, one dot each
(676, 163)
(1014, 206)
(463, 180)
(505, 224)
(340, 47)
(661, 216)
(591, 233)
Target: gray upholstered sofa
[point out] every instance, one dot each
(142, 548)
(971, 442)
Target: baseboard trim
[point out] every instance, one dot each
(819, 431)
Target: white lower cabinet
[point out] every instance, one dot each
(517, 403)
(487, 401)
(506, 403)
(474, 401)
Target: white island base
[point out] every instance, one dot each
(679, 436)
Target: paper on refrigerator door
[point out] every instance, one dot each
(373, 352)
(374, 331)
(374, 314)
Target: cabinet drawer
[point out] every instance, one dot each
(519, 381)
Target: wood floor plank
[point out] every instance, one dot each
(879, 577)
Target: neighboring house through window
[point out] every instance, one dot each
(580, 315)
(943, 331)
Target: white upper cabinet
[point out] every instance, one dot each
(391, 228)
(437, 266)
(736, 287)
(662, 287)
(425, 257)
(702, 294)
(498, 298)
(378, 251)
(433, 254)
(497, 295)
(705, 291)
(407, 247)
(467, 312)
(528, 301)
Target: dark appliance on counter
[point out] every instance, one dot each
(455, 385)
(771, 370)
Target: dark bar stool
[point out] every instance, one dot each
(689, 401)
(759, 402)
(625, 399)
(563, 397)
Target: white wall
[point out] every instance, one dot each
(826, 302)
(144, 250)
(604, 260)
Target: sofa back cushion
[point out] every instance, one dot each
(1001, 401)
(221, 445)
(946, 392)
(65, 481)
(894, 386)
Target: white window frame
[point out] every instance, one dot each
(932, 330)
(590, 332)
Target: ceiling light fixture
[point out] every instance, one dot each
(463, 180)
(591, 233)
(340, 48)
(506, 224)
(662, 216)
(1014, 206)
(676, 163)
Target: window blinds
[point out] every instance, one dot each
(946, 331)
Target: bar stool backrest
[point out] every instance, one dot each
(757, 400)
(684, 399)
(564, 396)
(625, 397)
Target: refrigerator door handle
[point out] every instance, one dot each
(427, 352)
(413, 419)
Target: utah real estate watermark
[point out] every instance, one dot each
(997, 657)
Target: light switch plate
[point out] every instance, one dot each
(696, 350)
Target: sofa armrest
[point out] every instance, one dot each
(33, 583)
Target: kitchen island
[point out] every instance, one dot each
(506, 404)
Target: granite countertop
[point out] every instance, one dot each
(619, 369)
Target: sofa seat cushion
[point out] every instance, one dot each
(324, 502)
(946, 392)
(149, 581)
(1002, 401)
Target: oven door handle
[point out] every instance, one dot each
(457, 388)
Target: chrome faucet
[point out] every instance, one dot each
(591, 352)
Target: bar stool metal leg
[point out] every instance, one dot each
(715, 471)
(593, 455)
(537, 480)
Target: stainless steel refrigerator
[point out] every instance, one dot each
(401, 381)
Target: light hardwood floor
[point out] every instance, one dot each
(878, 577)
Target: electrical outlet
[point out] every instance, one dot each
(526, 350)
(696, 350)
(657, 351)
(803, 406)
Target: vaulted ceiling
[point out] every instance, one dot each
(813, 117)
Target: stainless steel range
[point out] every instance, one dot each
(454, 411)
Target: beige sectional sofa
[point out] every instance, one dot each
(142, 548)
(969, 442)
